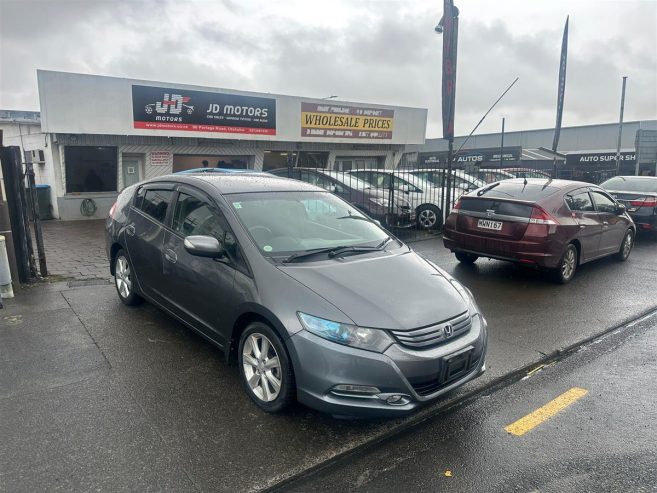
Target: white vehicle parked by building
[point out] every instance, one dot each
(423, 195)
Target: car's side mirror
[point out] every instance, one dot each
(331, 188)
(204, 246)
(620, 209)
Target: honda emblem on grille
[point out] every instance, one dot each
(448, 330)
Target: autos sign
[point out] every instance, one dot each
(159, 108)
(333, 120)
(595, 158)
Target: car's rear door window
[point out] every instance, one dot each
(154, 202)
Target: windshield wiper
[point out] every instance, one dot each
(335, 251)
(360, 218)
(383, 243)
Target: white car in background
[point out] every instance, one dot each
(423, 196)
(460, 179)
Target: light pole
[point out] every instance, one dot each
(620, 126)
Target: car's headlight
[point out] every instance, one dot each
(349, 335)
(378, 200)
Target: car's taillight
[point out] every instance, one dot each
(540, 216)
(644, 202)
(457, 206)
(541, 224)
(112, 209)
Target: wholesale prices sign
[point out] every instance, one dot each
(341, 121)
(159, 108)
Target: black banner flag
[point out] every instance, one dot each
(450, 29)
(562, 84)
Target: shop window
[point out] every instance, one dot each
(90, 169)
(348, 163)
(182, 162)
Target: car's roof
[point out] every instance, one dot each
(634, 177)
(245, 182)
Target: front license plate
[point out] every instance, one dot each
(456, 366)
(488, 224)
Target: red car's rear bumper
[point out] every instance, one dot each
(524, 252)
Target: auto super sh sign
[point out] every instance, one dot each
(159, 108)
(341, 121)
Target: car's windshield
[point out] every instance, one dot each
(630, 184)
(283, 223)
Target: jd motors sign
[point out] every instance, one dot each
(598, 158)
(159, 108)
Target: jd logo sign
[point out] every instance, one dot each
(171, 103)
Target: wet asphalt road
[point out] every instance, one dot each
(96, 395)
(604, 441)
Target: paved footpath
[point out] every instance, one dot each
(75, 249)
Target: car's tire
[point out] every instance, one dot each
(267, 379)
(124, 280)
(466, 258)
(626, 246)
(428, 217)
(567, 267)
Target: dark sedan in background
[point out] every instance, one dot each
(639, 195)
(552, 224)
(391, 211)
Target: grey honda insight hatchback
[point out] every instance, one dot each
(314, 300)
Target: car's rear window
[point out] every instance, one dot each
(476, 204)
(630, 184)
(531, 192)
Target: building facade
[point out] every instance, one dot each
(585, 152)
(101, 134)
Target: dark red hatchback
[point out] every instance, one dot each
(551, 224)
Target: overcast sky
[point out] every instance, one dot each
(378, 51)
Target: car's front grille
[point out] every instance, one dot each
(426, 337)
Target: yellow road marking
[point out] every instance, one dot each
(542, 414)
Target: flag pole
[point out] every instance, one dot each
(620, 126)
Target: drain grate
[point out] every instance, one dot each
(88, 282)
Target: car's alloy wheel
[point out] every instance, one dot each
(568, 265)
(428, 217)
(124, 280)
(626, 246)
(265, 368)
(262, 367)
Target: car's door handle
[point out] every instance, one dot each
(130, 229)
(582, 226)
(170, 255)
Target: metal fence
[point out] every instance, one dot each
(411, 202)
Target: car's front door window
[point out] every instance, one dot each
(193, 216)
(604, 203)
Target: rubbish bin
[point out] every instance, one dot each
(45, 205)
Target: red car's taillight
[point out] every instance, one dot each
(541, 224)
(540, 216)
(644, 202)
(112, 209)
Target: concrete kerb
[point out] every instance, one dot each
(434, 412)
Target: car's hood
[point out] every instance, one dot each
(391, 291)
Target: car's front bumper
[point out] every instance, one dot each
(320, 365)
